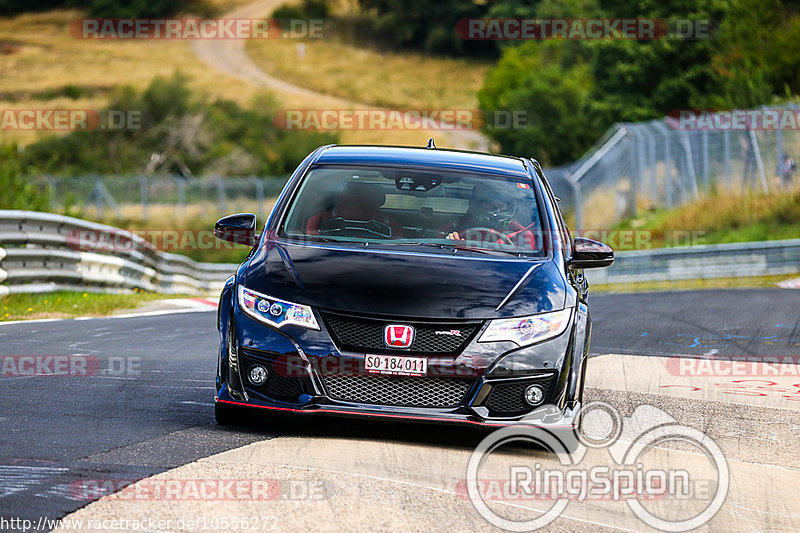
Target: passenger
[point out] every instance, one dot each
(359, 202)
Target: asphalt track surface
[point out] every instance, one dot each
(148, 406)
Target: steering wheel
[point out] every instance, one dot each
(486, 235)
(355, 228)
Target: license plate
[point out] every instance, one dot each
(396, 365)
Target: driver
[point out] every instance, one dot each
(489, 210)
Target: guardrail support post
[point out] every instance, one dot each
(759, 162)
(182, 195)
(726, 155)
(637, 156)
(143, 196)
(259, 195)
(704, 139)
(98, 197)
(221, 195)
(687, 147)
(576, 194)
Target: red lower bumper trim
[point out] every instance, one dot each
(386, 415)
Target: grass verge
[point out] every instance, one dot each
(65, 304)
(372, 77)
(721, 219)
(753, 282)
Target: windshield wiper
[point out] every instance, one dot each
(461, 247)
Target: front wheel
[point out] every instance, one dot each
(228, 415)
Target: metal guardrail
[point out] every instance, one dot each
(702, 262)
(37, 254)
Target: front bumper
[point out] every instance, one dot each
(481, 386)
(549, 416)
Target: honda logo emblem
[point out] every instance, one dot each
(397, 336)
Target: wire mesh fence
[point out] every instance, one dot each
(678, 159)
(654, 164)
(137, 197)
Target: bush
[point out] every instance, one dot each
(181, 134)
(13, 7)
(110, 8)
(307, 9)
(424, 25)
(18, 191)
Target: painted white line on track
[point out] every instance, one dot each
(790, 284)
(194, 306)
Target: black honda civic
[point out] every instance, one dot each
(409, 283)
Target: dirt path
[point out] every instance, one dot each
(229, 57)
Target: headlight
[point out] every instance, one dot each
(276, 312)
(527, 330)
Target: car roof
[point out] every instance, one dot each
(453, 160)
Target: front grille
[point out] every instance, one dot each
(508, 399)
(399, 391)
(366, 335)
(281, 387)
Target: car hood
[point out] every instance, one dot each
(413, 285)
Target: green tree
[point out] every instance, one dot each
(756, 57)
(552, 87)
(583, 87)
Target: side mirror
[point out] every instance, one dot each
(239, 229)
(587, 253)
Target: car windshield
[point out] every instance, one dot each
(391, 206)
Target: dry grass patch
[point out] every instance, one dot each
(40, 56)
(375, 78)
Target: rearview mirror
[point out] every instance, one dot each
(239, 229)
(587, 253)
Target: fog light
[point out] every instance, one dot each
(258, 375)
(534, 395)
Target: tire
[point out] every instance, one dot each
(569, 439)
(227, 415)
